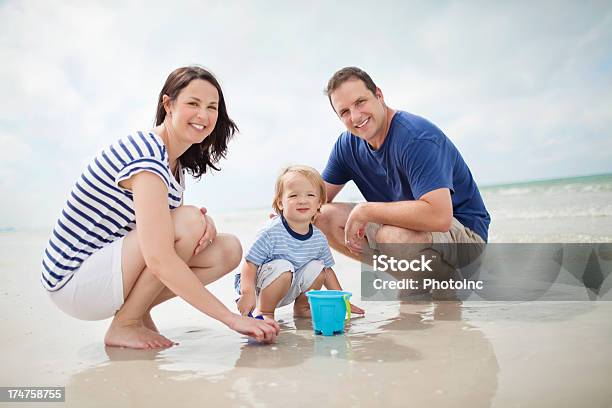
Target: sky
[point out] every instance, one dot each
(523, 89)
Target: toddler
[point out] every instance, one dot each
(290, 256)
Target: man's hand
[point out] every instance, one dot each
(246, 303)
(210, 233)
(354, 230)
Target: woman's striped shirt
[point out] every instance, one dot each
(99, 211)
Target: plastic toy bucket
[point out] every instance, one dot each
(329, 309)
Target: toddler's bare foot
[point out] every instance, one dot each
(134, 334)
(301, 310)
(149, 323)
(301, 307)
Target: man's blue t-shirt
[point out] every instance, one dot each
(415, 158)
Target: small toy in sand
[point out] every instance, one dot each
(258, 317)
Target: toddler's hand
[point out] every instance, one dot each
(246, 303)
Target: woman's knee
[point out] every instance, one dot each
(231, 250)
(189, 223)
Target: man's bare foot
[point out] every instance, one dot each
(134, 334)
(148, 322)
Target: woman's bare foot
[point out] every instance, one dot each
(148, 322)
(133, 334)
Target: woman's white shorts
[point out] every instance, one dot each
(95, 291)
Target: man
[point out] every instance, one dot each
(417, 187)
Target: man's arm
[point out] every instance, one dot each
(432, 212)
(332, 190)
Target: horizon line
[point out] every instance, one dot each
(543, 180)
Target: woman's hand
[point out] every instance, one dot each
(264, 331)
(210, 233)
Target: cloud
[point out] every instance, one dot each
(503, 80)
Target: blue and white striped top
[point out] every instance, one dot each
(278, 241)
(99, 211)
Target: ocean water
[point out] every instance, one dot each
(563, 210)
(557, 211)
(576, 209)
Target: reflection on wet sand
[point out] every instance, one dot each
(399, 354)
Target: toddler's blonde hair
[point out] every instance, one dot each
(310, 173)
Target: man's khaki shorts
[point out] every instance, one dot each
(459, 246)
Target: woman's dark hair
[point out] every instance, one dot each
(199, 156)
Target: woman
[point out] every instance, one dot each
(124, 243)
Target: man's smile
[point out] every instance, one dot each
(362, 124)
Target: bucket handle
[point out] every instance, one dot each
(348, 307)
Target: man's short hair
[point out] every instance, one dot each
(347, 74)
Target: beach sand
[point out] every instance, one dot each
(434, 354)
(444, 354)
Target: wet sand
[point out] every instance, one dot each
(445, 354)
